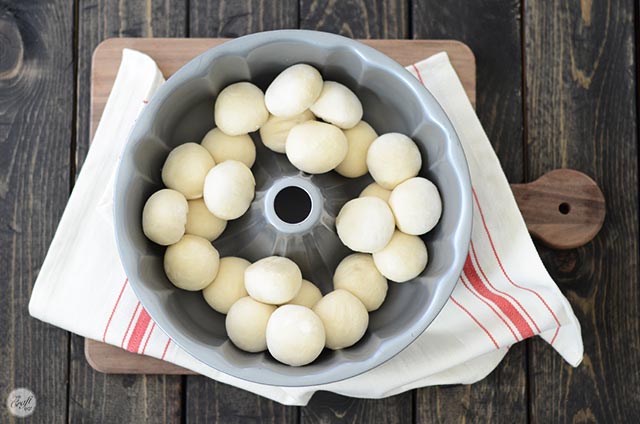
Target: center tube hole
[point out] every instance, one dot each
(292, 204)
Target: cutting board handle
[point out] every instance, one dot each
(564, 208)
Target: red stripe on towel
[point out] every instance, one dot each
(484, 223)
(490, 307)
(415, 68)
(476, 321)
(507, 308)
(138, 331)
(164, 352)
(148, 337)
(129, 326)
(113, 310)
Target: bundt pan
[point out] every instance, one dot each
(293, 213)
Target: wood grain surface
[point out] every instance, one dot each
(36, 106)
(556, 88)
(581, 112)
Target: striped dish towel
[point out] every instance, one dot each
(504, 294)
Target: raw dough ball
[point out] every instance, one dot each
(392, 159)
(295, 335)
(365, 224)
(403, 259)
(164, 217)
(275, 280)
(374, 190)
(202, 223)
(229, 189)
(225, 147)
(358, 275)
(308, 295)
(359, 138)
(338, 105)
(344, 317)
(192, 263)
(246, 324)
(316, 147)
(185, 169)
(228, 286)
(416, 205)
(274, 133)
(293, 91)
(240, 109)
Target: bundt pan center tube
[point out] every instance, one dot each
(293, 213)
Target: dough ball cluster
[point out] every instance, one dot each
(268, 304)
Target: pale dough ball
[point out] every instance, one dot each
(344, 317)
(229, 189)
(275, 131)
(375, 190)
(316, 147)
(338, 105)
(403, 259)
(240, 109)
(359, 138)
(293, 90)
(416, 205)
(358, 275)
(229, 147)
(164, 217)
(392, 159)
(365, 224)
(246, 324)
(295, 335)
(275, 280)
(192, 263)
(228, 286)
(308, 295)
(202, 223)
(186, 168)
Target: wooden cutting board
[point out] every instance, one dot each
(563, 208)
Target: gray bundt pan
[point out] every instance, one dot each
(393, 100)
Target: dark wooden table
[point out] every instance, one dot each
(556, 88)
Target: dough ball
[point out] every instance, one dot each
(308, 295)
(358, 275)
(403, 259)
(293, 90)
(246, 324)
(228, 147)
(344, 317)
(375, 190)
(295, 335)
(359, 138)
(228, 286)
(416, 205)
(337, 105)
(316, 147)
(229, 189)
(365, 224)
(274, 133)
(392, 159)
(186, 168)
(192, 263)
(240, 109)
(164, 217)
(275, 280)
(202, 223)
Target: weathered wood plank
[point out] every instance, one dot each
(36, 109)
(581, 113)
(484, 25)
(96, 397)
(206, 400)
(357, 19)
(220, 18)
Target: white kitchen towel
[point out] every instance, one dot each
(504, 294)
